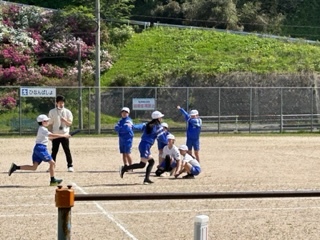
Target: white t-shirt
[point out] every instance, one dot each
(173, 152)
(189, 159)
(55, 119)
(42, 136)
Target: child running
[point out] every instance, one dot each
(189, 164)
(151, 131)
(193, 131)
(40, 151)
(170, 158)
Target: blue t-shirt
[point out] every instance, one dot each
(157, 132)
(124, 128)
(194, 125)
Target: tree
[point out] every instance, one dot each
(212, 13)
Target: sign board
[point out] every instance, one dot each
(143, 104)
(37, 92)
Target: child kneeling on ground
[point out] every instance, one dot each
(189, 164)
(170, 158)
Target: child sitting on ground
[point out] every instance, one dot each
(189, 164)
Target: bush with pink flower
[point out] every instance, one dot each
(38, 47)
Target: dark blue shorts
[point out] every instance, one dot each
(40, 153)
(195, 170)
(193, 143)
(125, 145)
(161, 145)
(144, 149)
(172, 165)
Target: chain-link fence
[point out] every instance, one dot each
(222, 109)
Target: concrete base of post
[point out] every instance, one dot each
(201, 227)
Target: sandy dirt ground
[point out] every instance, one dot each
(230, 163)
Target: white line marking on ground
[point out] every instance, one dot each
(102, 211)
(217, 210)
(107, 214)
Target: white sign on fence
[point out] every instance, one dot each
(143, 104)
(37, 92)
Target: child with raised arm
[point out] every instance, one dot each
(194, 124)
(40, 151)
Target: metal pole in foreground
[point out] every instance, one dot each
(201, 227)
(97, 74)
(64, 201)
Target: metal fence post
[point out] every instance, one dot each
(219, 109)
(201, 227)
(64, 201)
(281, 110)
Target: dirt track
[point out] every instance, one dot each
(230, 163)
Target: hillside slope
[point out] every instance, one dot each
(159, 55)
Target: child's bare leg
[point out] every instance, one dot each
(124, 159)
(51, 167)
(160, 159)
(128, 159)
(196, 153)
(30, 167)
(187, 167)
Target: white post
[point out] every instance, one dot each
(201, 227)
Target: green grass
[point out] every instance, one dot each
(159, 52)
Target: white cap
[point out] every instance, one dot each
(170, 136)
(183, 147)
(42, 118)
(156, 115)
(165, 125)
(194, 112)
(126, 109)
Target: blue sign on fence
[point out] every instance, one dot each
(37, 92)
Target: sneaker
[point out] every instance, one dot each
(55, 182)
(147, 181)
(12, 169)
(122, 170)
(188, 176)
(70, 169)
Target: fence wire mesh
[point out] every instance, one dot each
(221, 109)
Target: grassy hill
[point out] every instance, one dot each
(158, 53)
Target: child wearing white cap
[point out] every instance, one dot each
(189, 164)
(194, 123)
(40, 151)
(170, 158)
(151, 131)
(124, 128)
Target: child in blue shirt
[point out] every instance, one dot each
(194, 124)
(151, 131)
(161, 145)
(125, 128)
